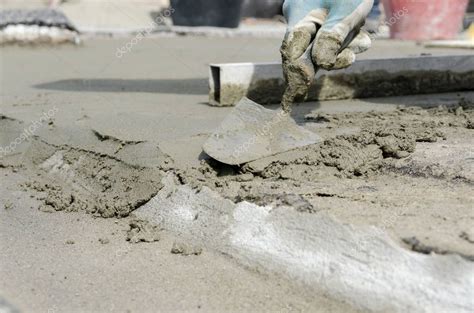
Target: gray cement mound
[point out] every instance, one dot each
(315, 250)
(78, 169)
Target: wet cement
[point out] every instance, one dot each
(376, 148)
(81, 170)
(314, 250)
(437, 204)
(143, 231)
(41, 272)
(92, 163)
(375, 140)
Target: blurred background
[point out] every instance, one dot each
(401, 19)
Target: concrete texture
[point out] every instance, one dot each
(155, 95)
(317, 251)
(56, 263)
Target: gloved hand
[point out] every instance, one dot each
(321, 34)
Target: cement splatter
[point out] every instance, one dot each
(143, 231)
(185, 249)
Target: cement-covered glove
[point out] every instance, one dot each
(321, 34)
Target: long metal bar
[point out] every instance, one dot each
(264, 82)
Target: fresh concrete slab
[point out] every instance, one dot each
(156, 96)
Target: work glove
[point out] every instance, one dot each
(321, 34)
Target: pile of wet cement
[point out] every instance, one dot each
(381, 139)
(73, 180)
(74, 169)
(109, 184)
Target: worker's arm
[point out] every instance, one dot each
(321, 34)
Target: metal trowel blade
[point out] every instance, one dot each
(251, 132)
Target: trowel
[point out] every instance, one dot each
(251, 132)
